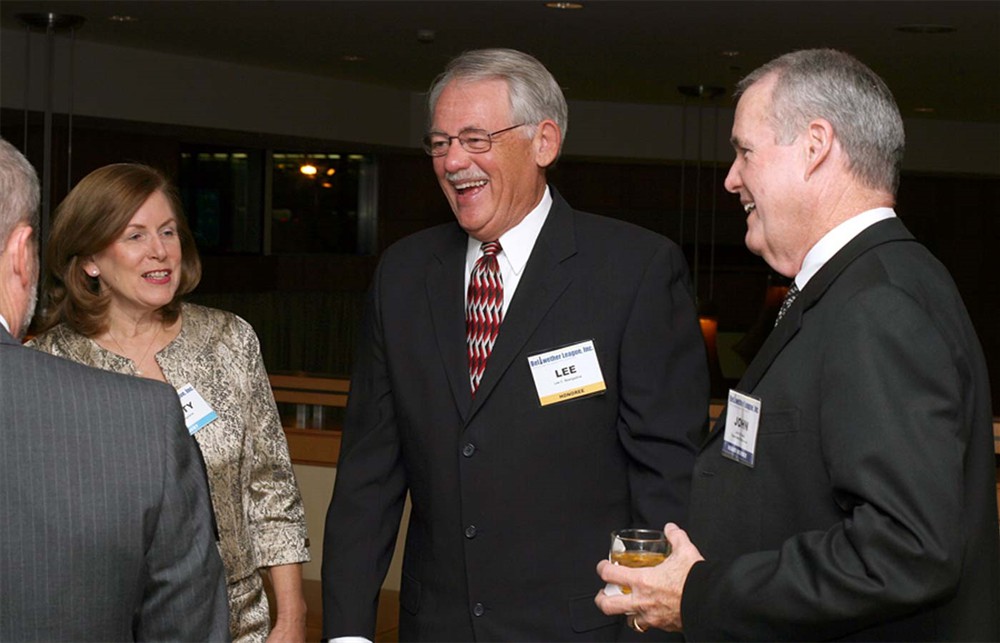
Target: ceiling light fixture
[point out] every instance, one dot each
(701, 91)
(122, 18)
(564, 5)
(51, 24)
(50, 21)
(704, 97)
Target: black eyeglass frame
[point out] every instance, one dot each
(463, 137)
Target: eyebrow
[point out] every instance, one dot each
(736, 142)
(142, 226)
(468, 128)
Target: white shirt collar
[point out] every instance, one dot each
(517, 242)
(835, 239)
(4, 323)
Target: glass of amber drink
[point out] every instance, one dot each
(638, 548)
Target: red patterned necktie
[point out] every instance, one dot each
(483, 310)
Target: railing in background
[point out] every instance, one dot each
(311, 409)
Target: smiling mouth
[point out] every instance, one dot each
(465, 186)
(156, 274)
(749, 207)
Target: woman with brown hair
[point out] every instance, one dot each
(120, 257)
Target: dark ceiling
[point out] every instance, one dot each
(618, 50)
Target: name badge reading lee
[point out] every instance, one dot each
(567, 373)
(197, 413)
(742, 419)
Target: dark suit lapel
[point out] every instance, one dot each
(875, 235)
(445, 284)
(545, 278)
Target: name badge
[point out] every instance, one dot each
(742, 420)
(197, 413)
(567, 373)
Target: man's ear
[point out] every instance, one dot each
(819, 143)
(22, 254)
(547, 143)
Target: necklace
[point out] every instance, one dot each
(137, 365)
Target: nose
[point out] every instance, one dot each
(157, 250)
(733, 182)
(456, 158)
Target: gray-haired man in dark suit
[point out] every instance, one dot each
(847, 492)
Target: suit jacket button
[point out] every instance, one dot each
(478, 609)
(468, 450)
(470, 531)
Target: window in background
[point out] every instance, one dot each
(222, 192)
(322, 203)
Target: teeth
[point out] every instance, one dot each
(470, 184)
(156, 274)
(749, 207)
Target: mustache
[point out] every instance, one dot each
(464, 175)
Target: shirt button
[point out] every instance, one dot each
(478, 609)
(468, 450)
(470, 531)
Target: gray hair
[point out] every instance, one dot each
(534, 93)
(830, 84)
(19, 192)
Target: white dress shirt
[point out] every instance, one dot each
(516, 245)
(835, 239)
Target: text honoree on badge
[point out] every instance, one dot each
(567, 373)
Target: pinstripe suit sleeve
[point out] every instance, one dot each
(185, 596)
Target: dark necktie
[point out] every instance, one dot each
(790, 296)
(483, 310)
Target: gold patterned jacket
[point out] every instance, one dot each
(256, 498)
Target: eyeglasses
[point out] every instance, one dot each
(474, 141)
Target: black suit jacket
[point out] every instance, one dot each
(870, 513)
(512, 502)
(106, 528)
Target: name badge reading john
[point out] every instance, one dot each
(567, 373)
(197, 413)
(742, 419)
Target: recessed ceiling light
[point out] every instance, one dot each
(123, 18)
(564, 5)
(927, 29)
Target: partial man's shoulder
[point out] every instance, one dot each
(37, 361)
(613, 234)
(427, 241)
